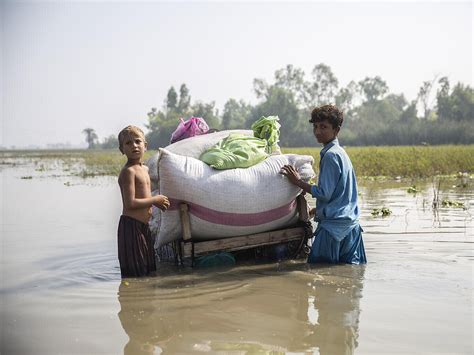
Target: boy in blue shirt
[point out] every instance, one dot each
(338, 237)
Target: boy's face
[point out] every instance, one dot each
(134, 147)
(324, 132)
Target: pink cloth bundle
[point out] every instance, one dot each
(193, 127)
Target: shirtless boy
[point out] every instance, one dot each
(135, 242)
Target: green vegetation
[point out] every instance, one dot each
(440, 114)
(369, 162)
(451, 203)
(381, 212)
(91, 137)
(404, 161)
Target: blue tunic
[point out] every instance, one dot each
(338, 237)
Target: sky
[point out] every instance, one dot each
(66, 65)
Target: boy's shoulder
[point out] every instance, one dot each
(334, 150)
(130, 170)
(336, 153)
(125, 172)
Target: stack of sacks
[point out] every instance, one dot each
(191, 147)
(223, 203)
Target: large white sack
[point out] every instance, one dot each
(225, 203)
(191, 147)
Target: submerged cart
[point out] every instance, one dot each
(295, 237)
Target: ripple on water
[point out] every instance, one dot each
(68, 271)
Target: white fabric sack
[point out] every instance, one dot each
(191, 147)
(226, 203)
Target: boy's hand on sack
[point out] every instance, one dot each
(162, 202)
(291, 173)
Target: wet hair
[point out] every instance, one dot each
(327, 112)
(128, 131)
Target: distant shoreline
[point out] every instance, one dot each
(375, 161)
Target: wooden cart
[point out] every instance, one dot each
(189, 249)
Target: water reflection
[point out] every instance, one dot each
(245, 311)
(334, 310)
(138, 317)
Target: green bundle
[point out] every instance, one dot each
(235, 151)
(268, 128)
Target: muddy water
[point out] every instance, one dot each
(61, 291)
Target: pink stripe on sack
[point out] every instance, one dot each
(235, 219)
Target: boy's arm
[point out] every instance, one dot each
(329, 175)
(130, 202)
(294, 177)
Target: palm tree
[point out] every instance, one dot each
(91, 137)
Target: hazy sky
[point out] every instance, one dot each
(71, 65)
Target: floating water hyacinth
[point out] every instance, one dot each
(451, 203)
(412, 190)
(384, 211)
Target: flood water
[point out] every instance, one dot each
(61, 291)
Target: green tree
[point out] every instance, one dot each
(292, 80)
(409, 114)
(376, 118)
(346, 96)
(260, 88)
(443, 91)
(291, 97)
(373, 88)
(456, 106)
(208, 112)
(425, 98)
(110, 142)
(346, 99)
(322, 89)
(280, 102)
(161, 124)
(235, 114)
(397, 101)
(184, 100)
(171, 100)
(91, 137)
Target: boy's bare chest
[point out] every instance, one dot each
(142, 181)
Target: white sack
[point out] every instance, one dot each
(191, 147)
(225, 203)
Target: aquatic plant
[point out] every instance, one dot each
(413, 190)
(452, 203)
(383, 212)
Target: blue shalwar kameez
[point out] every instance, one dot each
(338, 237)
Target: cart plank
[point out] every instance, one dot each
(244, 242)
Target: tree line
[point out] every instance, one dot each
(441, 113)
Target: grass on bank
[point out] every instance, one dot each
(399, 161)
(404, 161)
